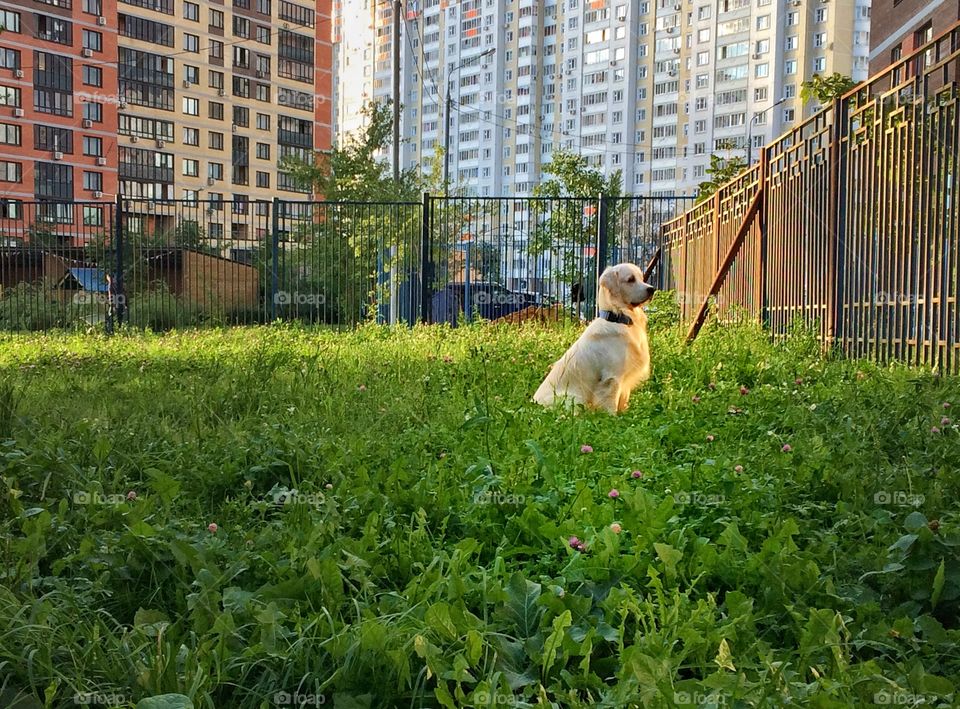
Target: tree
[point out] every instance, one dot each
(564, 228)
(825, 89)
(721, 171)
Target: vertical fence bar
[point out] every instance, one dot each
(601, 257)
(426, 270)
(274, 256)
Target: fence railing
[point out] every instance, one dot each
(188, 263)
(848, 223)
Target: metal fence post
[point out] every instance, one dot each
(601, 240)
(426, 266)
(116, 302)
(274, 256)
(837, 201)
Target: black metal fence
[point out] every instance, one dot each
(168, 264)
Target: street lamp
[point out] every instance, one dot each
(750, 129)
(449, 108)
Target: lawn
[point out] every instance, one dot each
(284, 517)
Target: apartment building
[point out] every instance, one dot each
(900, 26)
(650, 88)
(212, 98)
(353, 63)
(158, 100)
(58, 138)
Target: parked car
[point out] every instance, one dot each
(488, 300)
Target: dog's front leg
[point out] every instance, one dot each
(608, 394)
(624, 400)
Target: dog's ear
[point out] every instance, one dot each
(610, 279)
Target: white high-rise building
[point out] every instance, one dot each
(650, 88)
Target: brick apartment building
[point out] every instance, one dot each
(900, 26)
(160, 100)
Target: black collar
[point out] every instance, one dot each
(611, 316)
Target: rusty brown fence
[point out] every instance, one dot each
(848, 223)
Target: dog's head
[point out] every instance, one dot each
(622, 288)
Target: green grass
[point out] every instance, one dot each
(424, 557)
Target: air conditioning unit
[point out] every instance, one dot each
(757, 56)
(151, 207)
(211, 182)
(87, 123)
(102, 162)
(18, 73)
(222, 92)
(160, 143)
(134, 138)
(234, 127)
(102, 21)
(261, 74)
(57, 155)
(676, 51)
(677, 7)
(186, 84)
(98, 195)
(123, 103)
(86, 53)
(670, 30)
(18, 113)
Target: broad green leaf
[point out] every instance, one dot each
(724, 658)
(554, 640)
(438, 618)
(670, 558)
(521, 607)
(938, 584)
(915, 521)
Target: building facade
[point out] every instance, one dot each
(650, 88)
(153, 100)
(900, 26)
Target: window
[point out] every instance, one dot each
(191, 43)
(703, 36)
(92, 146)
(92, 76)
(263, 179)
(92, 40)
(819, 65)
(263, 121)
(54, 181)
(191, 74)
(191, 168)
(216, 19)
(191, 136)
(760, 94)
(191, 11)
(263, 34)
(93, 7)
(215, 171)
(216, 52)
(10, 96)
(820, 15)
(790, 91)
(241, 27)
(191, 106)
(146, 30)
(11, 172)
(215, 141)
(793, 19)
(215, 111)
(788, 115)
(791, 43)
(703, 58)
(52, 139)
(9, 59)
(263, 151)
(93, 181)
(241, 116)
(216, 79)
(819, 39)
(263, 93)
(303, 16)
(10, 21)
(703, 13)
(790, 66)
(54, 29)
(93, 111)
(761, 70)
(763, 22)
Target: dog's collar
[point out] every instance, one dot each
(611, 316)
